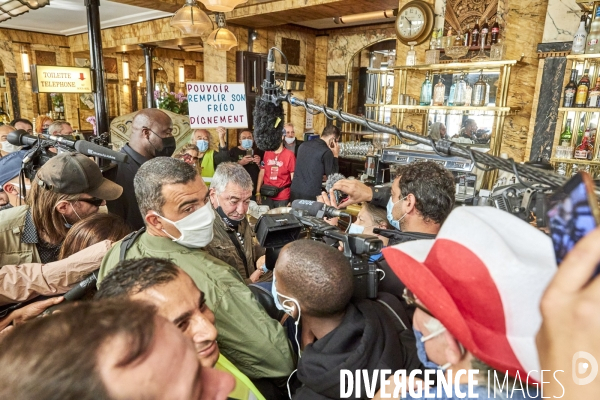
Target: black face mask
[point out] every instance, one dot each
(169, 146)
(232, 223)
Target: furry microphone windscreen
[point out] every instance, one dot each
(268, 125)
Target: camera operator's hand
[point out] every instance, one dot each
(357, 192)
(32, 310)
(325, 199)
(571, 321)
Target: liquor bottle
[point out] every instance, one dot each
(593, 38)
(475, 35)
(467, 36)
(583, 88)
(452, 91)
(479, 92)
(495, 32)
(425, 98)
(580, 38)
(570, 90)
(594, 95)
(460, 91)
(485, 29)
(433, 41)
(593, 130)
(581, 151)
(566, 136)
(439, 91)
(487, 91)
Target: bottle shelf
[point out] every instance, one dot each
(574, 161)
(582, 56)
(452, 66)
(579, 109)
(423, 109)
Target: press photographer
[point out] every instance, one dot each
(66, 189)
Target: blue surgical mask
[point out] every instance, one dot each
(247, 143)
(390, 206)
(202, 145)
(427, 363)
(357, 229)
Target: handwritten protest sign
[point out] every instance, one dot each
(217, 104)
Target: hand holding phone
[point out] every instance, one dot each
(573, 214)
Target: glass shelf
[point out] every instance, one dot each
(453, 66)
(579, 109)
(574, 161)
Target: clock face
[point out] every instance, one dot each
(411, 22)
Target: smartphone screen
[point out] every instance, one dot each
(572, 215)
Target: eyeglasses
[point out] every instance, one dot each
(411, 300)
(93, 201)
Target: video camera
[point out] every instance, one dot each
(39, 149)
(274, 231)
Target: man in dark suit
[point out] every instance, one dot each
(290, 141)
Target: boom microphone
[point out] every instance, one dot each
(92, 149)
(317, 209)
(268, 116)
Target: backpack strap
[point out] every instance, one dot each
(128, 241)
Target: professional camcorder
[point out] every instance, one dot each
(38, 149)
(274, 231)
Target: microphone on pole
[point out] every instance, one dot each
(268, 112)
(317, 209)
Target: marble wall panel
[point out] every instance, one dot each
(547, 110)
(562, 20)
(320, 88)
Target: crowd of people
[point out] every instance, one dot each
(178, 302)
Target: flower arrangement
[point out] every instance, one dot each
(174, 102)
(92, 121)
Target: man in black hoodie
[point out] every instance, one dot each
(314, 284)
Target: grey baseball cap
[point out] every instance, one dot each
(74, 173)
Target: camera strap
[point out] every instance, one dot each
(128, 241)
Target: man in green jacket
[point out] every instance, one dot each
(179, 223)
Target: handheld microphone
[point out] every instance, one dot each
(317, 209)
(92, 149)
(20, 137)
(332, 180)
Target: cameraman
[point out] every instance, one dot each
(68, 188)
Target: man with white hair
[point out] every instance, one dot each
(233, 241)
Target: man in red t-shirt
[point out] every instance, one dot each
(276, 169)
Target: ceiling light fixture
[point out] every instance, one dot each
(254, 35)
(366, 17)
(222, 5)
(181, 76)
(221, 38)
(12, 8)
(191, 20)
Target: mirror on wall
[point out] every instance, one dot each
(161, 82)
(363, 88)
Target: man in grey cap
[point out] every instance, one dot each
(69, 187)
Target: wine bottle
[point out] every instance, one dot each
(583, 88)
(467, 36)
(566, 136)
(594, 95)
(570, 90)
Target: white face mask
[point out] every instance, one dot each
(290, 140)
(196, 229)
(9, 147)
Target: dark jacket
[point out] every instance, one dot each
(315, 159)
(126, 206)
(369, 337)
(381, 196)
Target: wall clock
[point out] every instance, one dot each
(414, 22)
